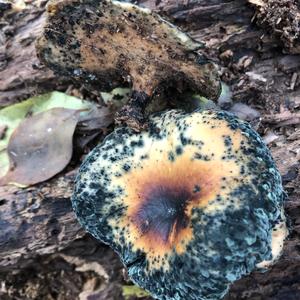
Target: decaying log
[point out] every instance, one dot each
(40, 240)
(21, 74)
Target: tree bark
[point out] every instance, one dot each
(43, 252)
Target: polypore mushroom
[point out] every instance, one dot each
(110, 43)
(190, 205)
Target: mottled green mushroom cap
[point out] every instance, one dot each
(190, 205)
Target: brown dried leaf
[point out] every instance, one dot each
(96, 119)
(41, 146)
(91, 125)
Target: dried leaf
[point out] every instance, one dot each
(91, 125)
(41, 146)
(12, 116)
(96, 119)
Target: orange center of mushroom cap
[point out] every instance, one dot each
(160, 201)
(165, 191)
(163, 201)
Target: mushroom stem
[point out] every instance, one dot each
(132, 114)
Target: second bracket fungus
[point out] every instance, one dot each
(112, 43)
(190, 205)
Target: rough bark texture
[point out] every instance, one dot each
(43, 252)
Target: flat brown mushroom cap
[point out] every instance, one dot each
(110, 43)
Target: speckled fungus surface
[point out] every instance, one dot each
(112, 43)
(190, 205)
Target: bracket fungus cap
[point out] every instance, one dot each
(111, 43)
(190, 205)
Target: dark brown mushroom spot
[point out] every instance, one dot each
(163, 213)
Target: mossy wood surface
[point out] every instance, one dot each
(40, 239)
